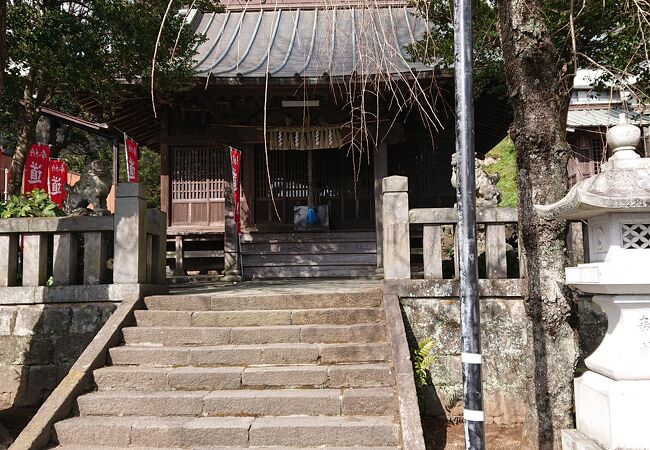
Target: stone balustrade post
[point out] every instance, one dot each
(130, 255)
(395, 218)
(8, 259)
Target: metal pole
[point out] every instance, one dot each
(466, 229)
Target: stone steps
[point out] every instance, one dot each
(247, 355)
(284, 370)
(311, 316)
(144, 378)
(293, 431)
(177, 336)
(263, 302)
(245, 402)
(104, 447)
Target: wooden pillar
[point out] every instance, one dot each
(230, 236)
(165, 192)
(380, 171)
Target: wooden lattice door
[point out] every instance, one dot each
(197, 179)
(350, 200)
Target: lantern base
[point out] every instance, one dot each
(613, 414)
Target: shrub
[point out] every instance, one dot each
(33, 204)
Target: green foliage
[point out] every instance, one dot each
(149, 169)
(100, 49)
(422, 359)
(34, 204)
(506, 166)
(607, 33)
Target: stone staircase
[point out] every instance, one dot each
(280, 370)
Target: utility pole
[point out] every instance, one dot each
(470, 322)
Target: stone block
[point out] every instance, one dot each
(205, 431)
(176, 336)
(178, 302)
(7, 318)
(42, 381)
(323, 431)
(132, 378)
(11, 384)
(205, 379)
(154, 356)
(348, 353)
(369, 402)
(335, 316)
(360, 375)
(27, 320)
(264, 334)
(163, 318)
(283, 402)
(279, 376)
(136, 403)
(225, 356)
(343, 333)
(13, 349)
(58, 320)
(240, 318)
(107, 431)
(290, 354)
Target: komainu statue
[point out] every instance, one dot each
(92, 188)
(487, 193)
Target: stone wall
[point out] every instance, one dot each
(38, 345)
(506, 349)
(505, 346)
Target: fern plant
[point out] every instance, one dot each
(33, 204)
(422, 358)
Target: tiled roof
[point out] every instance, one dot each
(308, 42)
(585, 118)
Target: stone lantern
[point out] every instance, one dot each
(612, 399)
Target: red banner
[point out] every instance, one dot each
(58, 175)
(36, 164)
(235, 163)
(131, 159)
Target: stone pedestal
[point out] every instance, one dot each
(613, 413)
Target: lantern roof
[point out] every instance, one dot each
(623, 185)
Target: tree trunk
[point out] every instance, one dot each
(26, 137)
(540, 100)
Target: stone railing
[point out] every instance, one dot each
(81, 251)
(436, 257)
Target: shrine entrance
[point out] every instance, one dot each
(337, 180)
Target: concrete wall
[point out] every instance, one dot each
(38, 345)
